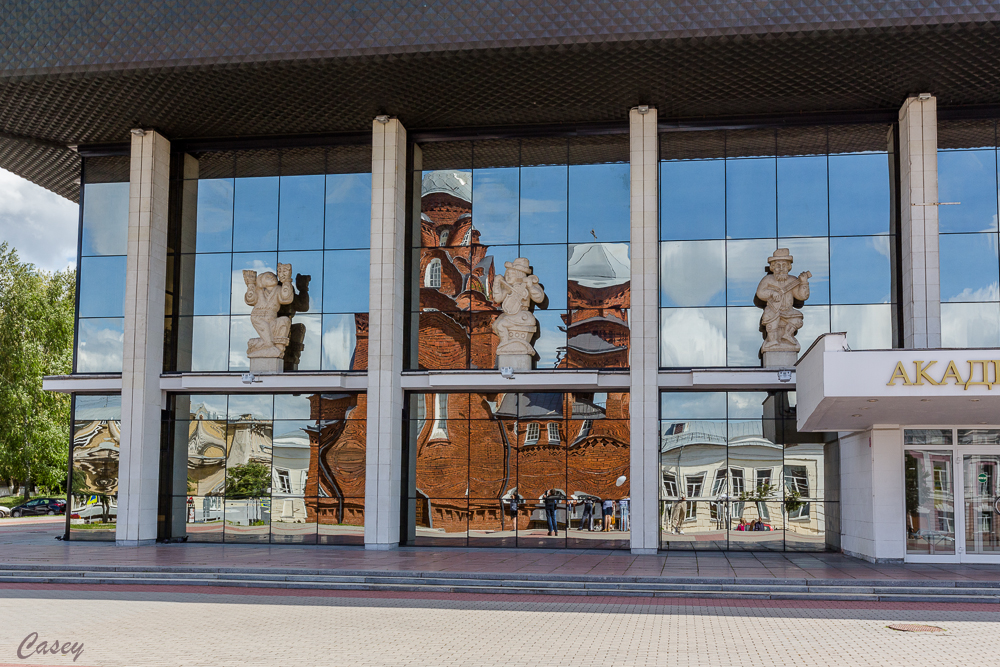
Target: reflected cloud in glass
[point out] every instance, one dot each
(339, 342)
(551, 342)
(743, 338)
(692, 337)
(100, 345)
(746, 263)
(970, 324)
(102, 286)
(215, 215)
(300, 214)
(212, 283)
(348, 210)
(811, 255)
(599, 203)
(859, 269)
(240, 333)
(259, 262)
(495, 205)
(970, 270)
(105, 219)
(868, 327)
(210, 343)
(693, 273)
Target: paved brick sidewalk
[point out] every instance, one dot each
(35, 545)
(183, 628)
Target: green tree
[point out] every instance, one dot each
(36, 339)
(250, 480)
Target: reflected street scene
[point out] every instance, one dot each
(518, 469)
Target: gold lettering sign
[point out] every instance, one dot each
(979, 374)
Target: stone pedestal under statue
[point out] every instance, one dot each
(780, 359)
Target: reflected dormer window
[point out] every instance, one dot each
(440, 429)
(532, 434)
(432, 274)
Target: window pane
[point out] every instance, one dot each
(212, 283)
(100, 345)
(240, 332)
(599, 203)
(746, 404)
(304, 348)
(969, 267)
(348, 210)
(102, 286)
(868, 327)
(300, 215)
(253, 407)
(859, 194)
(815, 323)
(681, 405)
(495, 205)
(692, 337)
(105, 219)
(693, 273)
(968, 177)
(543, 204)
(859, 270)
(743, 338)
(693, 199)
(345, 281)
(970, 324)
(551, 342)
(599, 274)
(746, 262)
(255, 219)
(210, 343)
(339, 343)
(750, 199)
(930, 502)
(215, 215)
(802, 196)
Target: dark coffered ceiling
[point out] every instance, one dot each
(86, 71)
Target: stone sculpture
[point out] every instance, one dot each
(778, 293)
(267, 293)
(515, 291)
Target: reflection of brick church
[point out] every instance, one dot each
(335, 487)
(455, 289)
(474, 452)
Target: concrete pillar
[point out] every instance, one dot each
(920, 268)
(644, 328)
(385, 343)
(138, 475)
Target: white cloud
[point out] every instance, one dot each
(40, 225)
(989, 293)
(693, 337)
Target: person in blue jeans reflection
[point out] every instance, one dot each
(587, 522)
(551, 502)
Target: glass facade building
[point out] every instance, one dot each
(548, 460)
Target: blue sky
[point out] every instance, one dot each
(42, 226)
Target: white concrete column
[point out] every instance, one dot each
(872, 512)
(921, 275)
(385, 342)
(644, 331)
(145, 277)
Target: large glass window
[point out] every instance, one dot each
(101, 265)
(508, 469)
(967, 220)
(930, 493)
(248, 211)
(728, 199)
(279, 468)
(734, 474)
(94, 457)
(563, 205)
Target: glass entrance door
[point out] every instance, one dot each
(982, 503)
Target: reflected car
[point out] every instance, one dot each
(37, 506)
(4, 511)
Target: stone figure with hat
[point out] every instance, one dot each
(267, 293)
(515, 291)
(778, 293)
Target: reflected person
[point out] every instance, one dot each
(677, 515)
(588, 514)
(551, 502)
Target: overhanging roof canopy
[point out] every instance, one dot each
(73, 73)
(839, 389)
